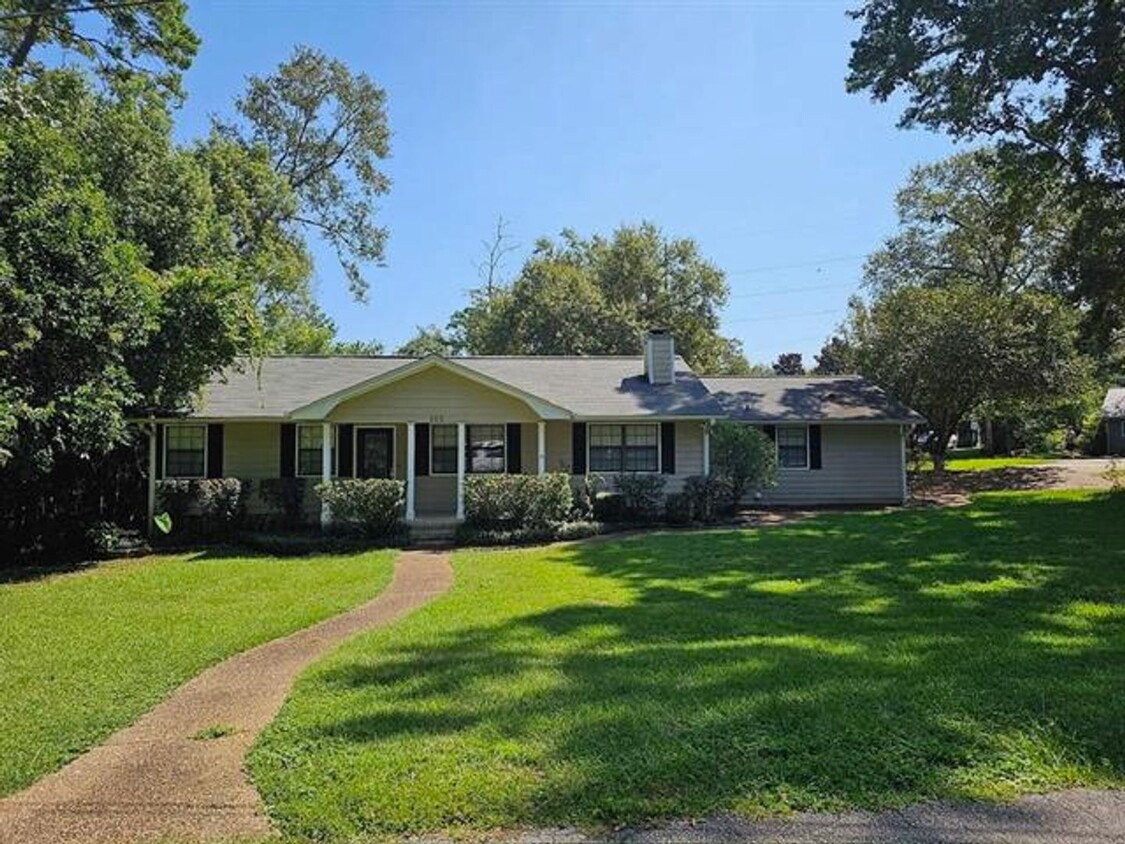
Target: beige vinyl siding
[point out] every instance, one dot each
(558, 446)
(252, 451)
(434, 396)
(861, 464)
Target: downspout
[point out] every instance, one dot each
(150, 512)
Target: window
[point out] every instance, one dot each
(310, 440)
(185, 451)
(443, 450)
(486, 448)
(624, 448)
(793, 447)
(485, 445)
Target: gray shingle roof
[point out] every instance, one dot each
(1114, 405)
(838, 398)
(586, 386)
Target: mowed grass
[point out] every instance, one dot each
(971, 460)
(86, 653)
(852, 660)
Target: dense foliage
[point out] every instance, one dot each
(371, 506)
(518, 501)
(599, 296)
(743, 457)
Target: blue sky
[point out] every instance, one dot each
(725, 122)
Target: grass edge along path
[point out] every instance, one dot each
(86, 653)
(852, 660)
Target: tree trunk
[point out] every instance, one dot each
(30, 35)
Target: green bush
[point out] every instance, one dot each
(585, 492)
(371, 506)
(470, 534)
(709, 497)
(744, 457)
(678, 509)
(211, 505)
(286, 496)
(642, 495)
(502, 501)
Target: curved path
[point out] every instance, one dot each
(153, 780)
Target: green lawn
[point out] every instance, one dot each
(971, 460)
(850, 660)
(84, 654)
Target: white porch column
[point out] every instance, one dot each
(151, 510)
(460, 470)
(326, 470)
(707, 448)
(542, 447)
(410, 478)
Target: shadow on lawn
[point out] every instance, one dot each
(847, 660)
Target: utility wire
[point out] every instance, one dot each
(91, 7)
(777, 291)
(775, 268)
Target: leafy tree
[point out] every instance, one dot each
(789, 363)
(427, 340)
(950, 351)
(599, 296)
(124, 42)
(960, 220)
(744, 457)
(836, 357)
(356, 347)
(324, 131)
(1045, 81)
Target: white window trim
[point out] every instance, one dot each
(468, 444)
(777, 450)
(297, 451)
(659, 450)
(164, 456)
(394, 447)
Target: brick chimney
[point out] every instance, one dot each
(660, 356)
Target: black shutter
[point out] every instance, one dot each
(770, 431)
(578, 448)
(513, 448)
(421, 449)
(159, 452)
(814, 446)
(288, 450)
(344, 442)
(468, 449)
(668, 448)
(214, 451)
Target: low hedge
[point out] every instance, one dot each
(203, 505)
(470, 534)
(518, 501)
(370, 506)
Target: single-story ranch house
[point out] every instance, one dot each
(431, 421)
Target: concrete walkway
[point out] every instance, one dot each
(152, 780)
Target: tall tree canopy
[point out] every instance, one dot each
(949, 351)
(599, 295)
(122, 41)
(324, 131)
(1046, 81)
(789, 363)
(959, 220)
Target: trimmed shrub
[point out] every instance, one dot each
(744, 457)
(503, 501)
(642, 495)
(585, 492)
(709, 497)
(609, 507)
(678, 509)
(371, 506)
(286, 496)
(213, 505)
(470, 534)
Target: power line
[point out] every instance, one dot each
(66, 10)
(793, 315)
(777, 291)
(833, 260)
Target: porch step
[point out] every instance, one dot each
(433, 530)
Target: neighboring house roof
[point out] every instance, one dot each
(805, 398)
(1114, 405)
(588, 387)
